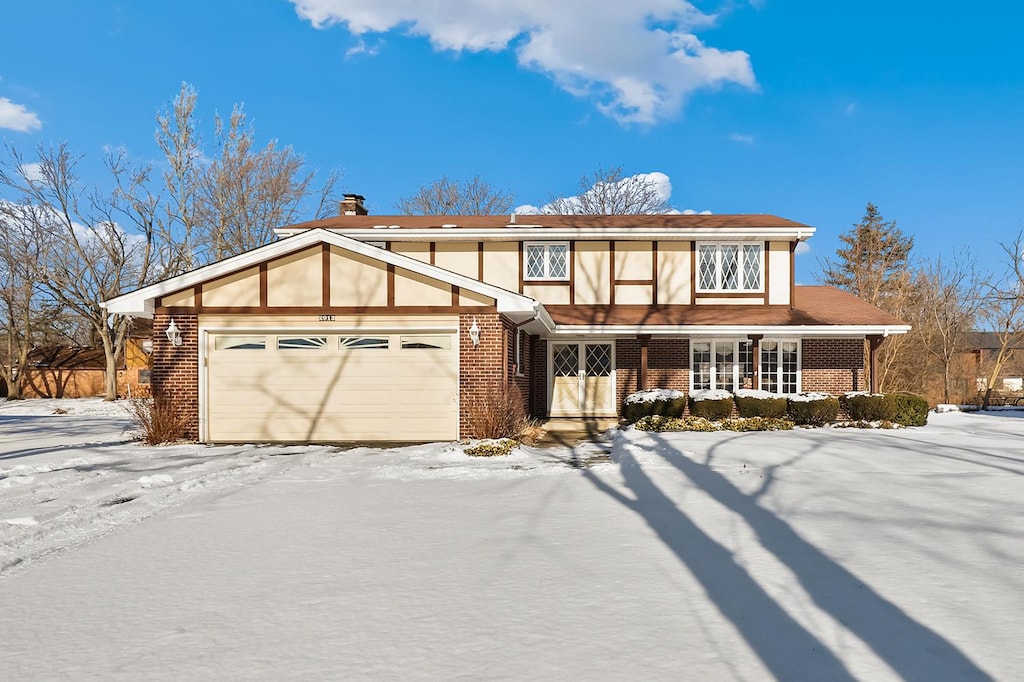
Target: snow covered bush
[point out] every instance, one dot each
(869, 407)
(754, 403)
(691, 423)
(501, 413)
(492, 448)
(812, 409)
(711, 404)
(910, 409)
(158, 420)
(656, 401)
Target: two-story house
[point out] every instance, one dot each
(363, 327)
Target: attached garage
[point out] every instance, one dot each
(327, 385)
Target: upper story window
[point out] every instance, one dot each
(730, 267)
(547, 261)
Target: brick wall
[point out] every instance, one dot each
(176, 368)
(540, 379)
(484, 370)
(832, 365)
(668, 363)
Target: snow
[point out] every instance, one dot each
(652, 395)
(807, 397)
(711, 394)
(808, 554)
(756, 393)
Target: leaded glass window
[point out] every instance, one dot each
(547, 261)
(729, 267)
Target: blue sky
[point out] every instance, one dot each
(805, 109)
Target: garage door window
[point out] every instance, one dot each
(361, 342)
(427, 342)
(301, 342)
(240, 343)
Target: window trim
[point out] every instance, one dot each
(718, 266)
(738, 370)
(778, 376)
(547, 276)
(517, 357)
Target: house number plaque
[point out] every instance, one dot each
(325, 318)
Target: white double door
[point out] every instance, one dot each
(582, 379)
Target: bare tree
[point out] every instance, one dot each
(948, 309)
(26, 314)
(92, 256)
(452, 197)
(178, 221)
(1003, 310)
(608, 191)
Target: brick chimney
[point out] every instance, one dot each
(352, 204)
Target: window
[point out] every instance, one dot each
(360, 342)
(780, 366)
(240, 342)
(729, 267)
(301, 342)
(428, 342)
(547, 261)
(720, 363)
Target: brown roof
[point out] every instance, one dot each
(554, 221)
(815, 305)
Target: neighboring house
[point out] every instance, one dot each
(366, 327)
(77, 372)
(983, 347)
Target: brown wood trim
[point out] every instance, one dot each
(197, 292)
(391, 285)
(644, 340)
(654, 272)
(334, 310)
(611, 272)
(480, 261)
(731, 294)
(792, 275)
(522, 265)
(634, 282)
(693, 272)
(433, 252)
(504, 354)
(572, 273)
(455, 295)
(325, 275)
(767, 279)
(264, 286)
(755, 359)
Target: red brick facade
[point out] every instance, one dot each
(668, 363)
(176, 368)
(832, 365)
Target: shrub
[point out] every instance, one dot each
(158, 420)
(752, 403)
(813, 409)
(501, 413)
(910, 409)
(659, 401)
(691, 423)
(492, 448)
(713, 405)
(869, 407)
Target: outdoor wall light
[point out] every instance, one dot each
(474, 334)
(173, 334)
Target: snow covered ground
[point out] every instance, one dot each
(812, 554)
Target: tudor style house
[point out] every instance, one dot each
(363, 327)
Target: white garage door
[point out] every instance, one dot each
(288, 386)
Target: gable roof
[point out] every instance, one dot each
(141, 302)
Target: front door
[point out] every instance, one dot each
(581, 379)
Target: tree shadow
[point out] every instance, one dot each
(912, 649)
(785, 647)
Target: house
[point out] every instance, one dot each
(62, 371)
(362, 327)
(982, 348)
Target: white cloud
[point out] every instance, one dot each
(639, 60)
(743, 139)
(17, 117)
(661, 184)
(32, 171)
(362, 48)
